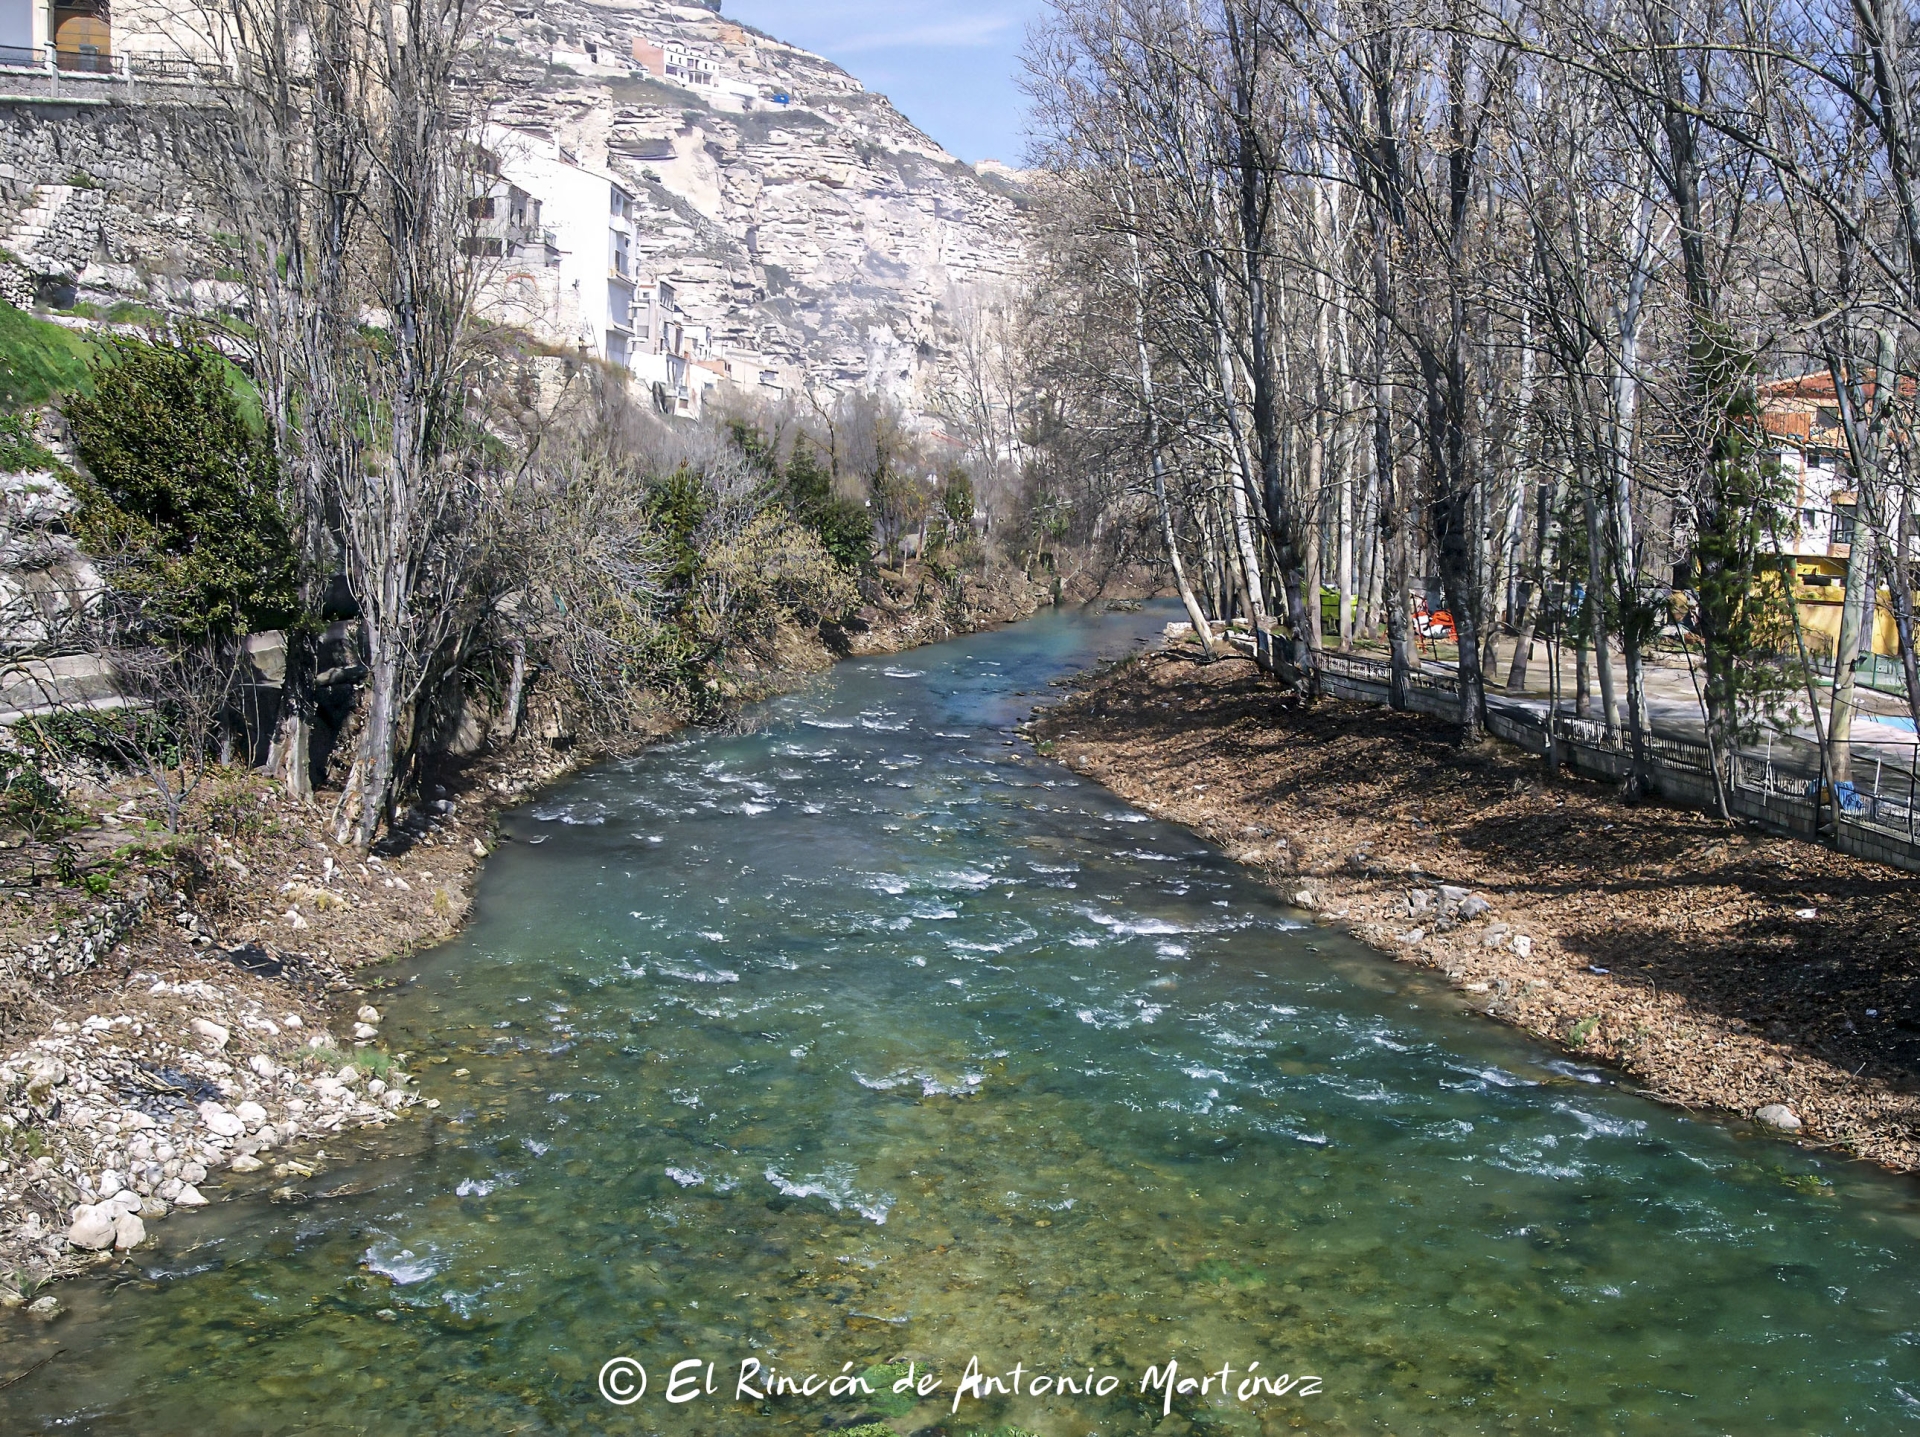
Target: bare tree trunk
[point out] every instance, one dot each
(509, 722)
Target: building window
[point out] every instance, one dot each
(481, 208)
(1843, 523)
(481, 248)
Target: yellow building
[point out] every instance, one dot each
(1802, 417)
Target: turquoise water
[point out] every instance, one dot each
(864, 1035)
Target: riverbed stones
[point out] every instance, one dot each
(43, 1076)
(220, 1122)
(189, 1196)
(246, 1163)
(1778, 1116)
(44, 1309)
(212, 1034)
(250, 1113)
(93, 1227)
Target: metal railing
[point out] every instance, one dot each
(86, 62)
(49, 68)
(1779, 788)
(178, 68)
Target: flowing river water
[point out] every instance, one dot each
(865, 1035)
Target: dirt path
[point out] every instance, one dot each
(1717, 965)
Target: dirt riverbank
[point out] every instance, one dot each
(1716, 965)
(182, 1015)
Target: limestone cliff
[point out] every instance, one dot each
(801, 217)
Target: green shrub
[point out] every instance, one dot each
(179, 496)
(104, 736)
(20, 452)
(844, 528)
(28, 803)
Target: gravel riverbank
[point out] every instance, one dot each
(1718, 966)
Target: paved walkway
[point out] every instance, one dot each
(1882, 731)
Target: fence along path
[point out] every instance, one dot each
(1770, 789)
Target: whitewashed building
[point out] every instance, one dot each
(562, 234)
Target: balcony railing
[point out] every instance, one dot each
(46, 69)
(86, 62)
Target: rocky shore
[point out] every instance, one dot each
(1717, 966)
(210, 1019)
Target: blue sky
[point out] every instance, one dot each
(948, 65)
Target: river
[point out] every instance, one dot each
(865, 1034)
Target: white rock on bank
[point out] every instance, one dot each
(250, 1113)
(1779, 1115)
(264, 1066)
(368, 1014)
(246, 1163)
(93, 1227)
(189, 1196)
(365, 1032)
(128, 1231)
(221, 1122)
(212, 1034)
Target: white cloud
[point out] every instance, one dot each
(969, 33)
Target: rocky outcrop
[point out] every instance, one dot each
(800, 217)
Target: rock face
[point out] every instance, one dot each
(814, 235)
(800, 217)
